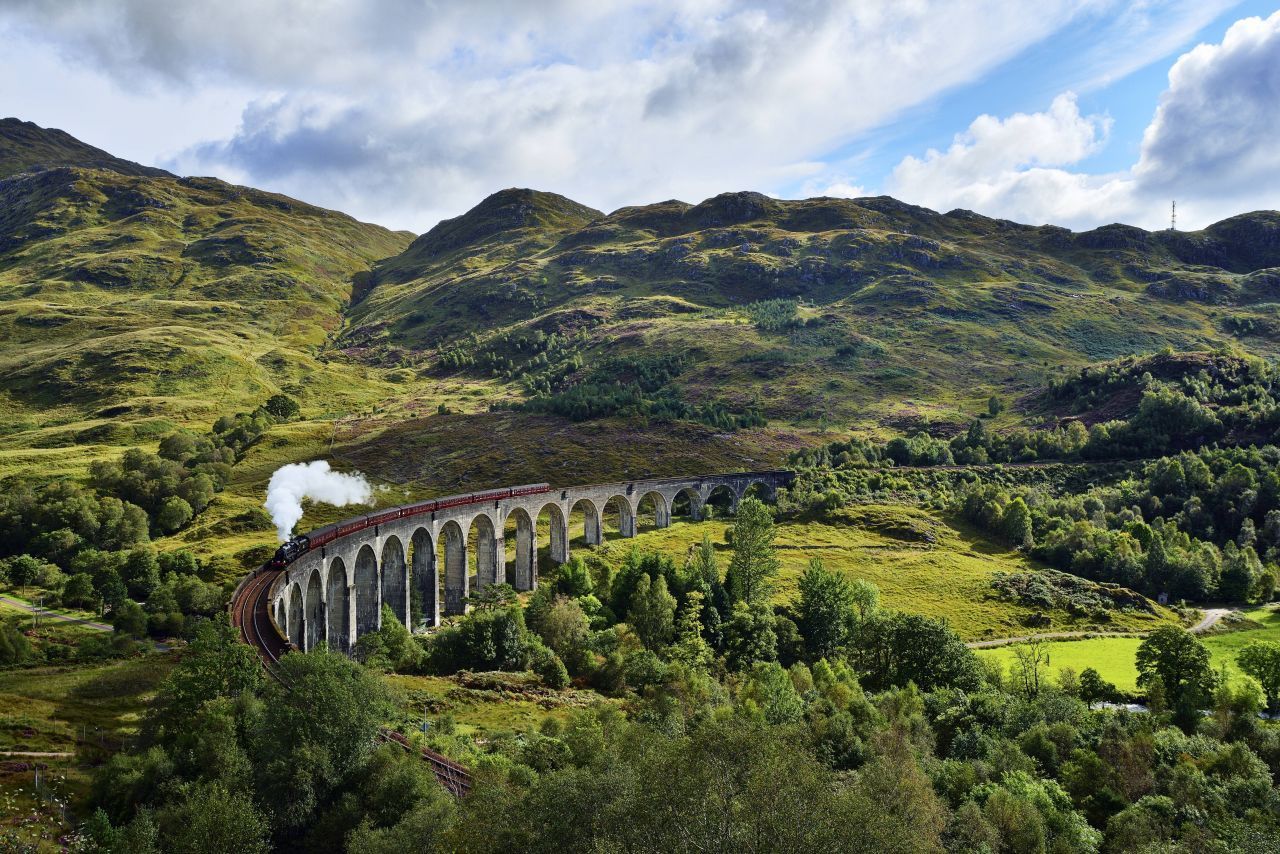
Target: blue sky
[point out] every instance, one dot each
(407, 111)
(1029, 81)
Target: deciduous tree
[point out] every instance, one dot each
(1261, 660)
(1180, 663)
(824, 611)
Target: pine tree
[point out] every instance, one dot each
(691, 649)
(704, 563)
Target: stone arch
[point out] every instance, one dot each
(338, 595)
(592, 531)
(558, 535)
(653, 504)
(424, 581)
(314, 619)
(721, 501)
(282, 615)
(489, 554)
(294, 626)
(395, 578)
(368, 594)
(455, 567)
(688, 503)
(626, 516)
(758, 489)
(524, 570)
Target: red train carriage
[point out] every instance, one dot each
(303, 543)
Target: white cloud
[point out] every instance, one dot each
(839, 188)
(408, 111)
(1215, 131)
(1003, 164)
(1211, 145)
(718, 97)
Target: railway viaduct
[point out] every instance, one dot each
(334, 594)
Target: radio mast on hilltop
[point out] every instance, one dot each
(1173, 215)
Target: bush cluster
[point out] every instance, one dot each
(638, 386)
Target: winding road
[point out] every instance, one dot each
(52, 615)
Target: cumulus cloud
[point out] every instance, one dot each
(408, 111)
(1210, 145)
(1215, 130)
(412, 110)
(1007, 164)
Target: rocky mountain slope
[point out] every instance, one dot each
(25, 146)
(132, 300)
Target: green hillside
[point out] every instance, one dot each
(997, 431)
(734, 332)
(132, 302)
(816, 312)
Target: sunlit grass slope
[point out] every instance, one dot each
(920, 562)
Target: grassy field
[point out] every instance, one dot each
(921, 563)
(1113, 658)
(55, 707)
(86, 710)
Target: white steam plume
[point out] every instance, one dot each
(316, 481)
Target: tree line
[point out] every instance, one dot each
(89, 545)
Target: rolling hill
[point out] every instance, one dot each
(132, 300)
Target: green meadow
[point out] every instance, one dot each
(1113, 657)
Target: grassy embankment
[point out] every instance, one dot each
(84, 709)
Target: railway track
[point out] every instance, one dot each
(249, 613)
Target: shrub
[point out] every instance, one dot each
(174, 514)
(549, 668)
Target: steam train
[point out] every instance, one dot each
(297, 546)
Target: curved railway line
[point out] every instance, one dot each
(250, 613)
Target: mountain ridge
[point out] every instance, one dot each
(133, 302)
(26, 144)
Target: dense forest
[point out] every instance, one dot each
(722, 724)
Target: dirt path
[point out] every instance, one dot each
(1212, 616)
(36, 754)
(53, 615)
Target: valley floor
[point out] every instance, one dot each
(1113, 657)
